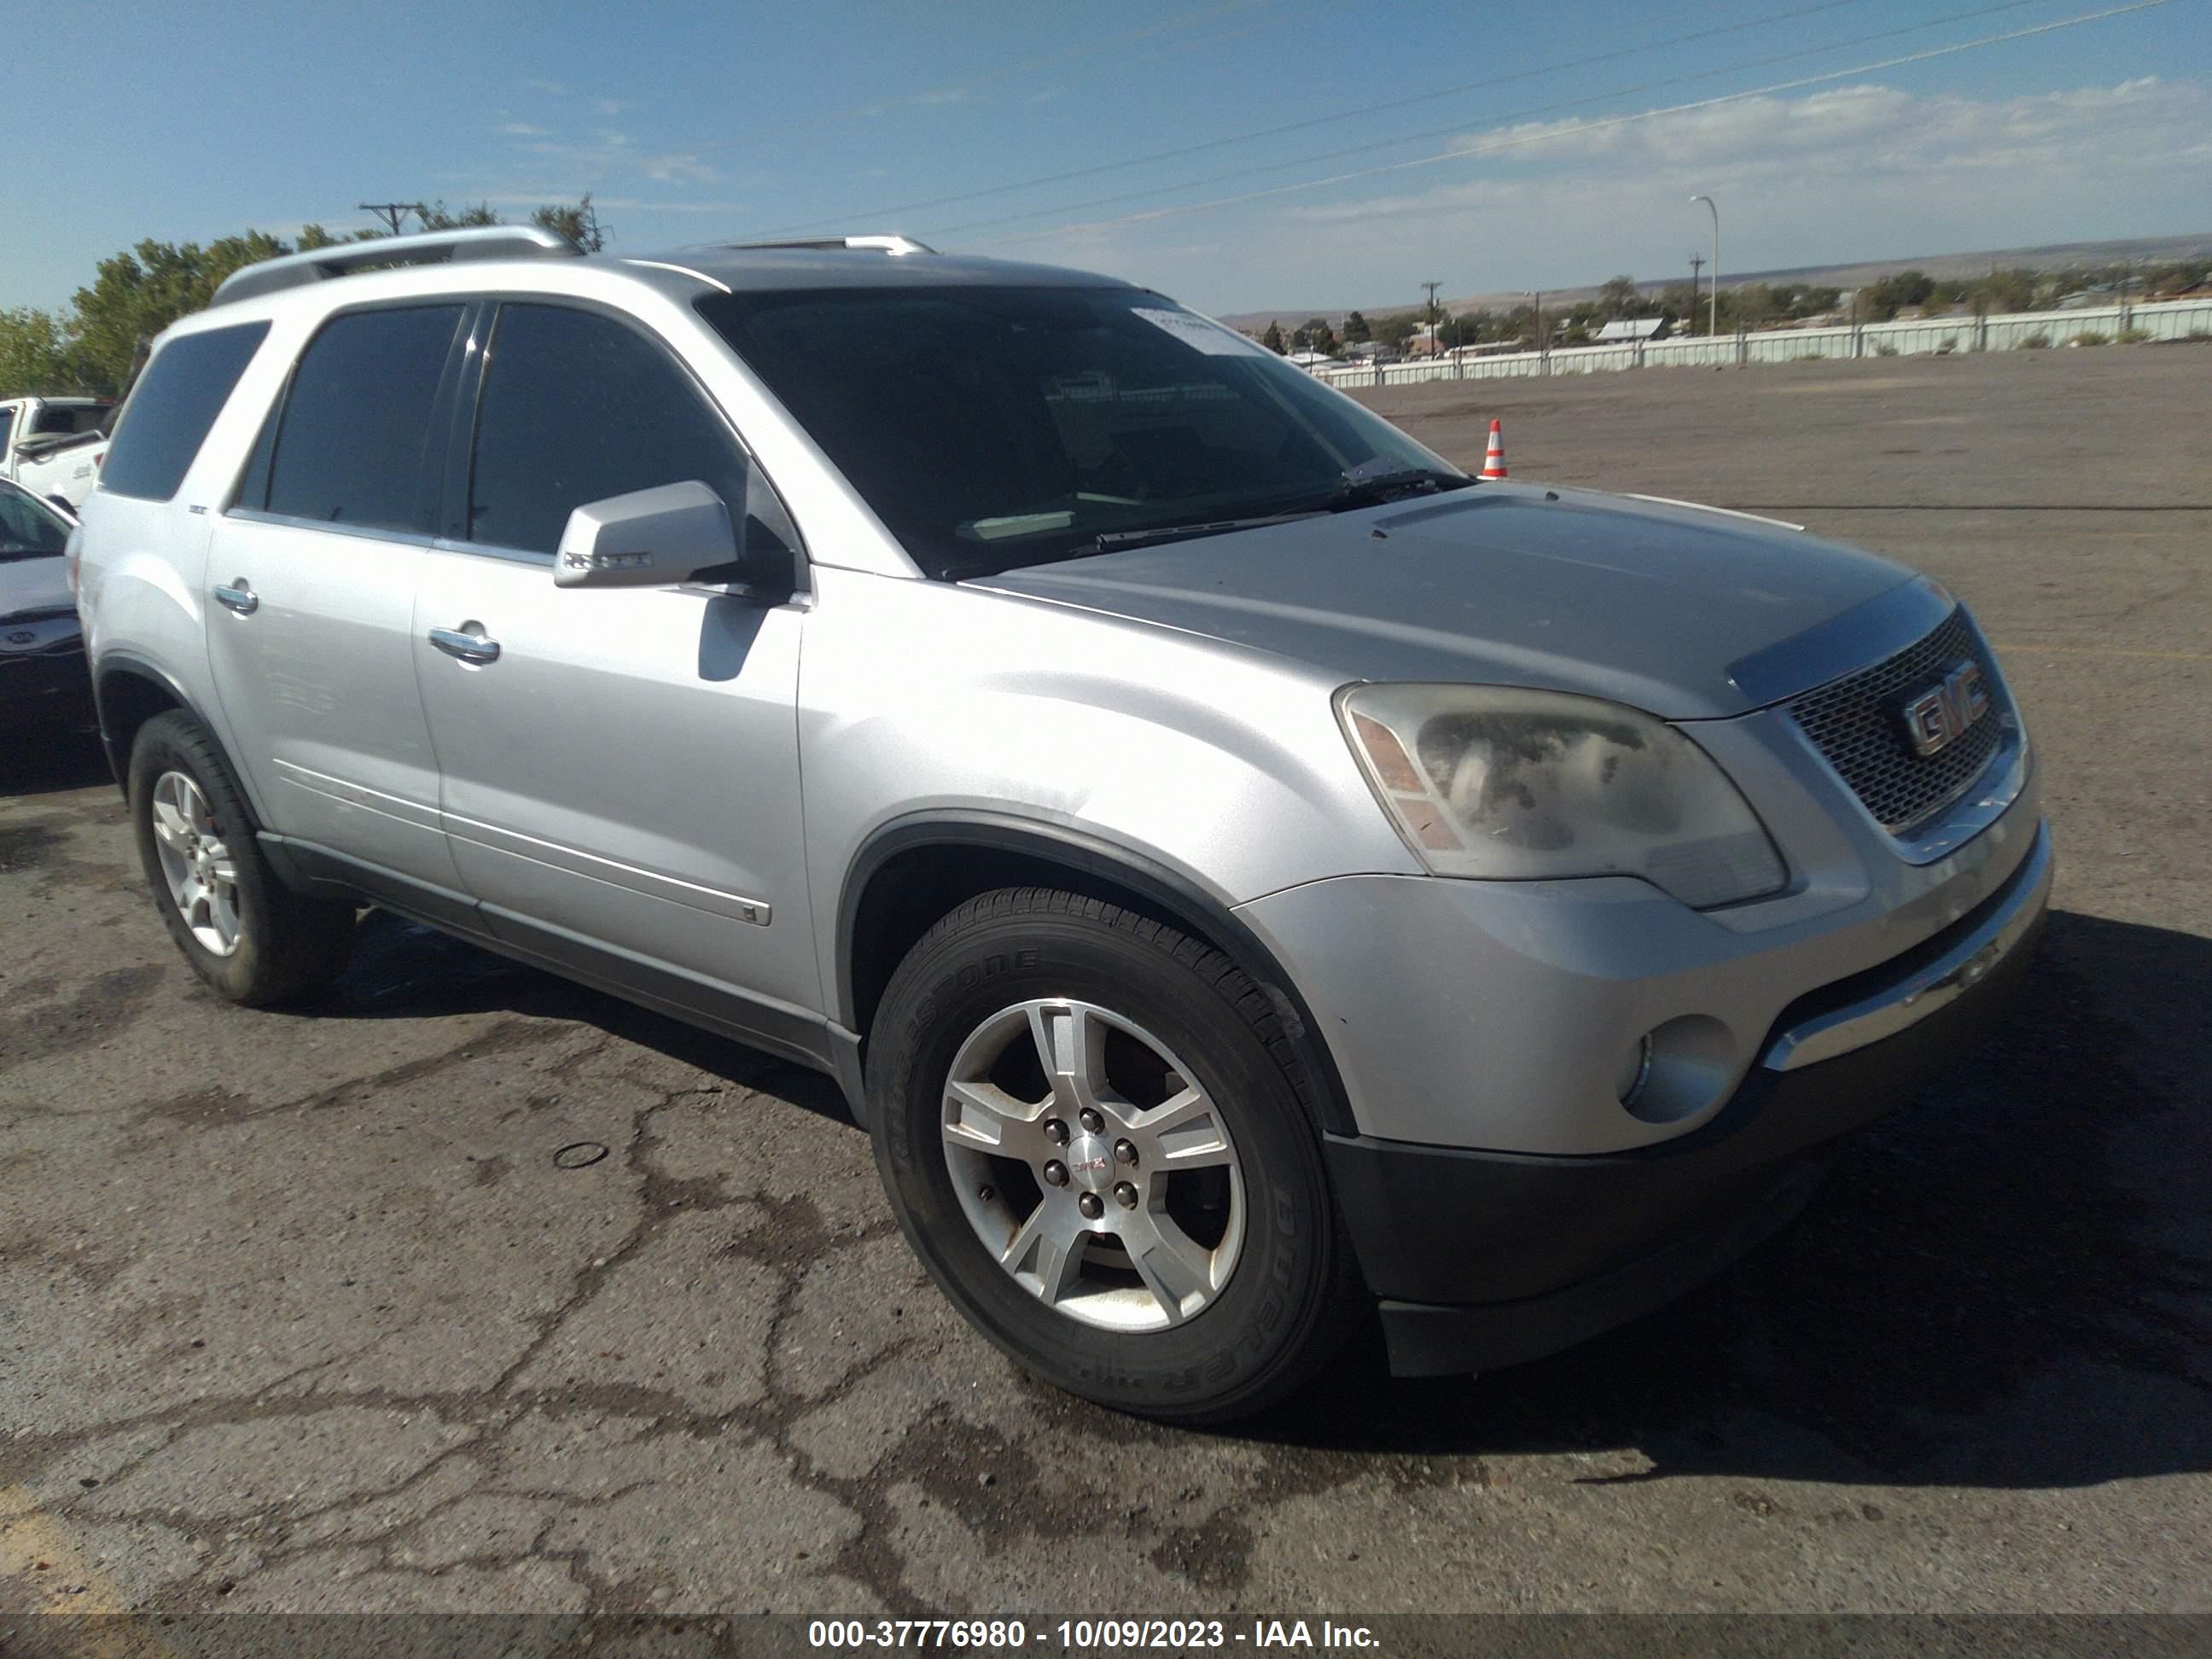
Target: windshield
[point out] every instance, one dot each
(993, 427)
(27, 529)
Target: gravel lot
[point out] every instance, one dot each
(299, 1310)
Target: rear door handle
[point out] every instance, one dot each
(467, 642)
(239, 597)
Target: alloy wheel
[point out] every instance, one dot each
(202, 876)
(1094, 1167)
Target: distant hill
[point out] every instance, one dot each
(2055, 256)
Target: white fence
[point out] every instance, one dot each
(2169, 319)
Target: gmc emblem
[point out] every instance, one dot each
(1945, 711)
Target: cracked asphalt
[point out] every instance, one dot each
(302, 1311)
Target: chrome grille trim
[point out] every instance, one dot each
(1854, 723)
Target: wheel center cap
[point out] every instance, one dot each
(1090, 1161)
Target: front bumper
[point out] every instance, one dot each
(1484, 1258)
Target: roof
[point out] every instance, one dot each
(857, 262)
(737, 267)
(1631, 328)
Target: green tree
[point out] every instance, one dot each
(1356, 332)
(1619, 298)
(1315, 335)
(138, 294)
(1883, 300)
(1273, 339)
(438, 217)
(36, 358)
(578, 222)
(314, 236)
(1395, 330)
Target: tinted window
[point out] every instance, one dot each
(26, 528)
(73, 417)
(993, 427)
(172, 407)
(7, 426)
(357, 424)
(577, 407)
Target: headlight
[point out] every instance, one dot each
(1513, 785)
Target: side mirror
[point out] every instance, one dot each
(653, 537)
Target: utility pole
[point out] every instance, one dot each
(1713, 325)
(1696, 261)
(391, 212)
(1433, 342)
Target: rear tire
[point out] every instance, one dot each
(1153, 1230)
(251, 937)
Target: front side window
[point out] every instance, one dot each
(169, 411)
(350, 445)
(992, 427)
(577, 407)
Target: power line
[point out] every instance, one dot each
(875, 214)
(1552, 108)
(1518, 139)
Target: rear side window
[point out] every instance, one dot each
(348, 447)
(172, 407)
(577, 407)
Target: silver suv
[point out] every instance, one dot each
(1243, 872)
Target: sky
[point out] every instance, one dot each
(1240, 155)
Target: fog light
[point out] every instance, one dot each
(1635, 1070)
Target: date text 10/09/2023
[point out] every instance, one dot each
(1087, 1635)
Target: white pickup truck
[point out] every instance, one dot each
(54, 447)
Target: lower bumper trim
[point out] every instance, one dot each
(1424, 1340)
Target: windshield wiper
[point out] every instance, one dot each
(1114, 540)
(1362, 487)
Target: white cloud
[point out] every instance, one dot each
(1862, 172)
(553, 87)
(519, 130)
(610, 106)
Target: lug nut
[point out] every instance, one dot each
(1090, 1204)
(1124, 1152)
(986, 1193)
(1092, 1123)
(1125, 1195)
(1056, 1173)
(1055, 1131)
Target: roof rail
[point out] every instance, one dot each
(431, 248)
(894, 244)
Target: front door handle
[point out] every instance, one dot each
(239, 597)
(467, 642)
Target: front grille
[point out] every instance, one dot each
(1854, 723)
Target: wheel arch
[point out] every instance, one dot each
(914, 871)
(127, 692)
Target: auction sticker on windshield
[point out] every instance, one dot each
(1197, 332)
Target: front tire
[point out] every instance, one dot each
(251, 938)
(1094, 1136)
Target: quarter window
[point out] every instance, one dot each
(577, 407)
(349, 446)
(170, 409)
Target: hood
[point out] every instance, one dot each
(39, 582)
(1657, 606)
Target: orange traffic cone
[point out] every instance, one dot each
(1493, 458)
